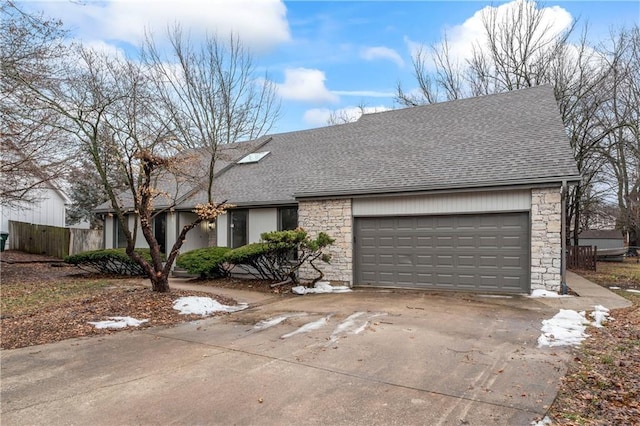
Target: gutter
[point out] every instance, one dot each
(563, 238)
(534, 182)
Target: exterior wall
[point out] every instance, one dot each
(333, 217)
(475, 202)
(109, 232)
(49, 210)
(602, 243)
(546, 244)
(197, 238)
(222, 229)
(260, 221)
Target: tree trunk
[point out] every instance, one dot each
(160, 283)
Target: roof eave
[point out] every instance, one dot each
(478, 186)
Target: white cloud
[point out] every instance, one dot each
(381, 52)
(319, 117)
(462, 38)
(364, 93)
(304, 84)
(260, 24)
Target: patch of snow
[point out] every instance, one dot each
(495, 296)
(204, 306)
(614, 287)
(599, 315)
(630, 290)
(320, 287)
(537, 293)
(544, 422)
(354, 324)
(564, 329)
(273, 321)
(315, 325)
(567, 326)
(118, 322)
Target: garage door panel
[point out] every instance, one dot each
(482, 252)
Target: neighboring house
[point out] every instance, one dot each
(461, 195)
(47, 209)
(603, 239)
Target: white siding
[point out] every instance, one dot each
(223, 230)
(198, 237)
(49, 210)
(261, 220)
(109, 231)
(471, 202)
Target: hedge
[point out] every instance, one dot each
(206, 262)
(110, 261)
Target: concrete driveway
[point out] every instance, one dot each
(374, 358)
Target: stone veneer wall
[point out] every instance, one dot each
(546, 244)
(334, 218)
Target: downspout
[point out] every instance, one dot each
(563, 237)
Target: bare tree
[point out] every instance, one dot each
(619, 119)
(33, 150)
(210, 93)
(519, 50)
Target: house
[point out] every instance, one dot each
(49, 208)
(609, 243)
(602, 238)
(460, 195)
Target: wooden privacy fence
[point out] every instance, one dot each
(52, 240)
(582, 257)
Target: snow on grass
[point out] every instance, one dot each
(599, 315)
(273, 321)
(315, 325)
(537, 293)
(630, 290)
(567, 327)
(614, 287)
(321, 287)
(204, 306)
(118, 322)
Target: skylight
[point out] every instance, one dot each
(254, 157)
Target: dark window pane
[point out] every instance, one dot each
(238, 224)
(160, 230)
(288, 218)
(121, 239)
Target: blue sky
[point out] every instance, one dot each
(324, 55)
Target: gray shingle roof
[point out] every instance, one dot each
(503, 139)
(182, 188)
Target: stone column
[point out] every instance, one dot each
(334, 218)
(546, 243)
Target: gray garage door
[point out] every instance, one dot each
(479, 252)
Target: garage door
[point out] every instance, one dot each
(480, 252)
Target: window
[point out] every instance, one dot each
(254, 157)
(238, 228)
(160, 230)
(287, 218)
(119, 237)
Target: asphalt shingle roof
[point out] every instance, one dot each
(503, 139)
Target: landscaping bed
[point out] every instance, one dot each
(602, 385)
(44, 300)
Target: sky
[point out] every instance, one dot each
(323, 56)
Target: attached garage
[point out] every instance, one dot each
(477, 252)
(477, 241)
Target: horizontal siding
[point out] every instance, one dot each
(476, 202)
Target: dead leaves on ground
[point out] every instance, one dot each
(602, 385)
